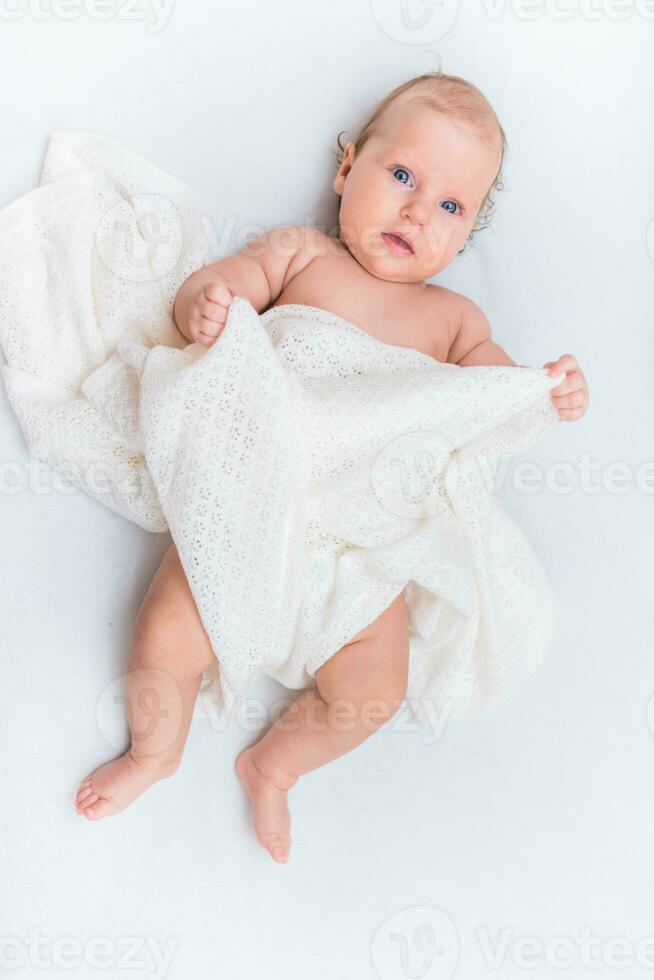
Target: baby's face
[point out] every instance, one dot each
(423, 176)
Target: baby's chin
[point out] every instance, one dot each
(393, 268)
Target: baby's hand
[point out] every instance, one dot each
(208, 312)
(570, 398)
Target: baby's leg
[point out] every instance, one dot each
(357, 691)
(169, 652)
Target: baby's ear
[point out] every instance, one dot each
(344, 168)
(349, 153)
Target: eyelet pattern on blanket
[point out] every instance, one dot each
(308, 472)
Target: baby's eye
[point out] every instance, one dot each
(401, 170)
(451, 206)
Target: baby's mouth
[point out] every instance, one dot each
(399, 245)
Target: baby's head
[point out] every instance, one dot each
(424, 166)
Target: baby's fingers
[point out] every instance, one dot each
(217, 292)
(575, 399)
(207, 333)
(203, 329)
(572, 382)
(210, 310)
(208, 313)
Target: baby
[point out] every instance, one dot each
(414, 185)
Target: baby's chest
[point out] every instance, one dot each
(426, 326)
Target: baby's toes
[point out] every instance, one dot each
(86, 799)
(103, 808)
(84, 787)
(277, 845)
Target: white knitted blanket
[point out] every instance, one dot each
(308, 472)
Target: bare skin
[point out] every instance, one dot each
(357, 690)
(170, 650)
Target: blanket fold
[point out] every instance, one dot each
(307, 472)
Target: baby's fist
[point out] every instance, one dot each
(570, 398)
(208, 312)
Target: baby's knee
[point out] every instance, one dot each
(171, 636)
(158, 626)
(378, 709)
(392, 624)
(371, 709)
(368, 680)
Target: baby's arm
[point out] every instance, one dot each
(472, 343)
(259, 273)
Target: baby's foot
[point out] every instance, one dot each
(112, 787)
(272, 819)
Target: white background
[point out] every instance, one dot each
(535, 818)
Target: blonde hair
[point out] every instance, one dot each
(455, 97)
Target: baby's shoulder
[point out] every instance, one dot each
(442, 299)
(306, 240)
(442, 312)
(303, 244)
